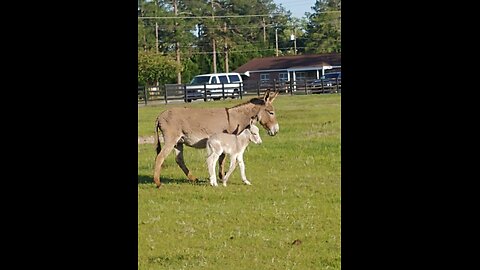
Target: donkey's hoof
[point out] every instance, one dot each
(194, 182)
(192, 178)
(247, 183)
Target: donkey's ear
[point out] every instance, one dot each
(267, 94)
(273, 96)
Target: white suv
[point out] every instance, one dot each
(232, 84)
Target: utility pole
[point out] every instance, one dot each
(156, 36)
(294, 41)
(144, 36)
(226, 46)
(157, 83)
(276, 40)
(214, 56)
(264, 33)
(213, 44)
(156, 46)
(294, 38)
(177, 44)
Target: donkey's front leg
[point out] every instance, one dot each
(233, 161)
(211, 162)
(241, 164)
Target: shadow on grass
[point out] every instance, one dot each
(144, 179)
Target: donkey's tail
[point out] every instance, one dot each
(157, 138)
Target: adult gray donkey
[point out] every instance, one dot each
(193, 127)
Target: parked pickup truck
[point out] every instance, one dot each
(329, 81)
(232, 84)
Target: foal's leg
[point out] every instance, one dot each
(233, 161)
(169, 144)
(241, 164)
(211, 163)
(221, 163)
(181, 162)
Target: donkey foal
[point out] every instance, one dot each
(234, 146)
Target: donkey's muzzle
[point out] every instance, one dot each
(274, 130)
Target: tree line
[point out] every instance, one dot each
(178, 39)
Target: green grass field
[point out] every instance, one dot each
(295, 195)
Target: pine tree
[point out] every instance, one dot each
(323, 31)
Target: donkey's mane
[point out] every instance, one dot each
(255, 101)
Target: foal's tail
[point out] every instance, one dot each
(157, 138)
(209, 148)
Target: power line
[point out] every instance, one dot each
(224, 16)
(242, 51)
(295, 1)
(209, 17)
(234, 27)
(230, 27)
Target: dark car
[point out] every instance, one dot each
(329, 80)
(194, 94)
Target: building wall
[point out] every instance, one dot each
(255, 82)
(333, 70)
(254, 77)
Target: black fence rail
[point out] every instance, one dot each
(187, 93)
(298, 87)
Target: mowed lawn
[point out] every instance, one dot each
(289, 218)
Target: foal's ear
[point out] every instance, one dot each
(273, 96)
(266, 95)
(269, 97)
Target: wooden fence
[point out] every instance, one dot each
(185, 92)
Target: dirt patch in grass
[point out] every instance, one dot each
(148, 139)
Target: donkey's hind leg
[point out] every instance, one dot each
(221, 166)
(159, 161)
(211, 163)
(181, 162)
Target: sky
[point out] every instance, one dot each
(297, 7)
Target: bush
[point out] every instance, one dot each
(153, 67)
